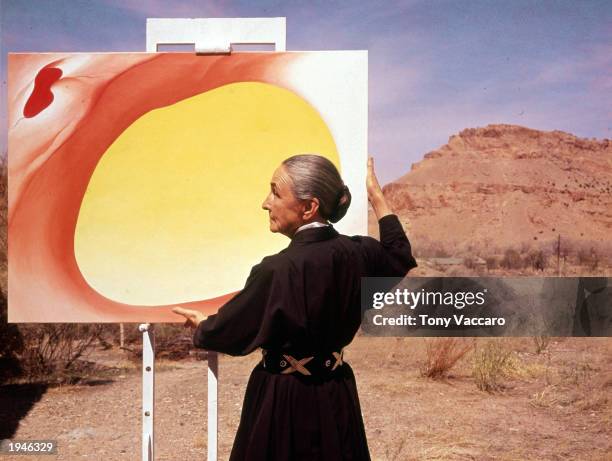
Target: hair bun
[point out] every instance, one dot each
(344, 201)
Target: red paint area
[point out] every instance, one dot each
(41, 96)
(42, 266)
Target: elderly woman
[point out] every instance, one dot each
(302, 307)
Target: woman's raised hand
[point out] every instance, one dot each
(373, 188)
(193, 317)
(375, 194)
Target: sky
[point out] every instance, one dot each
(435, 67)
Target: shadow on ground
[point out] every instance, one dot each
(16, 401)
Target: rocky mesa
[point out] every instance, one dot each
(504, 186)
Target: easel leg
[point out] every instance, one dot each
(213, 373)
(148, 390)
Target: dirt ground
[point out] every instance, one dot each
(554, 406)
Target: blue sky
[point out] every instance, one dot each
(436, 67)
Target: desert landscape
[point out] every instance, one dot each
(498, 200)
(550, 406)
(503, 198)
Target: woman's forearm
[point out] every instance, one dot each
(375, 193)
(380, 206)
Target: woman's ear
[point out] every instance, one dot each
(311, 207)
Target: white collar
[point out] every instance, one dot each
(311, 225)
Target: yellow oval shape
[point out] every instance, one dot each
(173, 213)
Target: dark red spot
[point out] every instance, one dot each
(41, 96)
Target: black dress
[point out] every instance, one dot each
(306, 300)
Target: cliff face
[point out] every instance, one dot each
(507, 186)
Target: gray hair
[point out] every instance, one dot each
(315, 176)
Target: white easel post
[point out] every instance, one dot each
(148, 390)
(209, 36)
(213, 374)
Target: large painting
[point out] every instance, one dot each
(136, 180)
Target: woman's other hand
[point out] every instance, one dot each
(372, 185)
(193, 317)
(375, 194)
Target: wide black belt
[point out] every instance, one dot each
(321, 364)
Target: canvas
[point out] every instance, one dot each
(136, 179)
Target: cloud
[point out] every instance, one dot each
(585, 67)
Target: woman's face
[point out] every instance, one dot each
(286, 212)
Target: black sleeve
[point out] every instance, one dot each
(392, 256)
(245, 321)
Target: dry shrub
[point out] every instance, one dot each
(544, 399)
(537, 260)
(441, 354)
(425, 248)
(492, 362)
(11, 344)
(470, 262)
(541, 343)
(3, 211)
(577, 373)
(588, 258)
(474, 264)
(593, 401)
(11, 341)
(492, 262)
(172, 341)
(594, 254)
(438, 251)
(511, 260)
(52, 351)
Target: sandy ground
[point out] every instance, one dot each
(554, 406)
